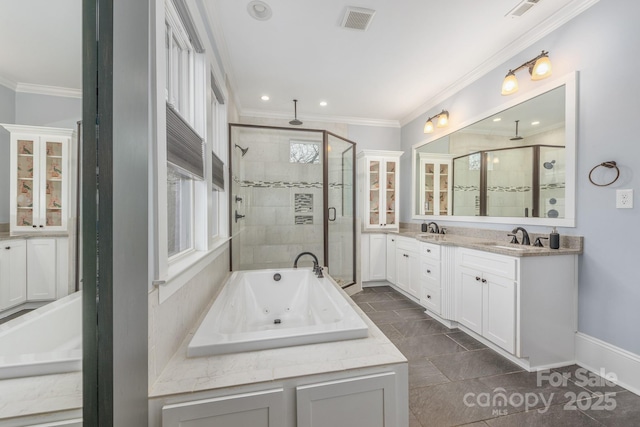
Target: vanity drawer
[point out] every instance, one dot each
(429, 250)
(500, 265)
(430, 299)
(430, 270)
(407, 244)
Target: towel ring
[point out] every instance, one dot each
(610, 165)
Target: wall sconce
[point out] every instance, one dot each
(539, 68)
(443, 121)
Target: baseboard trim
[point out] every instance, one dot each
(596, 355)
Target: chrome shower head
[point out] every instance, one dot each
(242, 150)
(517, 137)
(295, 121)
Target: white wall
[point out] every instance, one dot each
(374, 137)
(7, 115)
(47, 110)
(599, 44)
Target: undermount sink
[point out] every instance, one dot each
(512, 247)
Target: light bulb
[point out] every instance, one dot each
(541, 69)
(510, 84)
(428, 127)
(443, 119)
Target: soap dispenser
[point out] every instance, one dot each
(554, 239)
(423, 227)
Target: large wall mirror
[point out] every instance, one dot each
(513, 164)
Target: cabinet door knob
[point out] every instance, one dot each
(428, 250)
(41, 226)
(34, 226)
(393, 240)
(429, 271)
(7, 247)
(428, 296)
(484, 280)
(478, 278)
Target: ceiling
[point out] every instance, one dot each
(414, 53)
(41, 43)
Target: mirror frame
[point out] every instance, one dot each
(570, 81)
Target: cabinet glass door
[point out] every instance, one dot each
(53, 184)
(429, 182)
(25, 196)
(444, 188)
(374, 192)
(390, 193)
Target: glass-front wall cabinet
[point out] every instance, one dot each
(39, 178)
(435, 197)
(379, 181)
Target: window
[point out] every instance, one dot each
(179, 64)
(304, 152)
(179, 212)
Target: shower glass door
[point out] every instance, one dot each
(340, 201)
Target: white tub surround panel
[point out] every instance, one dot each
(172, 320)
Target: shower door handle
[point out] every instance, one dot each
(334, 214)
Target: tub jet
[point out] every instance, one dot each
(277, 321)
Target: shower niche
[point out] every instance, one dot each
(514, 182)
(294, 190)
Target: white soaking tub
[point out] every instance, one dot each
(45, 341)
(255, 311)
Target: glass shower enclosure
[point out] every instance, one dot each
(292, 191)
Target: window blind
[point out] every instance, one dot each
(217, 175)
(185, 148)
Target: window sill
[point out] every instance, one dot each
(185, 268)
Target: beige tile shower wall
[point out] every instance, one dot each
(171, 321)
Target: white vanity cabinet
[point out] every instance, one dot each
(391, 258)
(13, 273)
(524, 305)
(430, 289)
(42, 274)
(40, 175)
(34, 269)
(408, 266)
(373, 257)
(379, 189)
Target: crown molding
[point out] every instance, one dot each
(8, 83)
(359, 121)
(49, 90)
(552, 23)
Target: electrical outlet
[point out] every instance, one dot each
(624, 199)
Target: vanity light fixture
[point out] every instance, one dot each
(442, 121)
(539, 68)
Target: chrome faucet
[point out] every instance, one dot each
(317, 268)
(525, 235)
(432, 227)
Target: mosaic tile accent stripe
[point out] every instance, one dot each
(304, 220)
(303, 203)
(285, 184)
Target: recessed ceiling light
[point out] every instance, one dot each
(259, 10)
(535, 123)
(323, 103)
(265, 97)
(497, 119)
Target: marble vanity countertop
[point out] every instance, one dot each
(491, 241)
(21, 397)
(7, 236)
(186, 375)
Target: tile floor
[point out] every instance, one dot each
(455, 380)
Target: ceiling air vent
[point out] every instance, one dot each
(522, 8)
(357, 18)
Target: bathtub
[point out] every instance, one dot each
(275, 308)
(45, 341)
